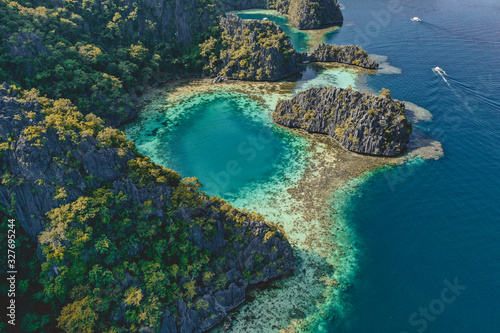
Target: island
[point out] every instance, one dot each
(360, 122)
(261, 51)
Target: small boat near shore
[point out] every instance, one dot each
(416, 19)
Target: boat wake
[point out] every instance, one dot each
(439, 71)
(472, 96)
(479, 95)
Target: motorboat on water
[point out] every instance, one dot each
(416, 19)
(438, 70)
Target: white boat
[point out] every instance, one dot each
(438, 70)
(265, 19)
(416, 19)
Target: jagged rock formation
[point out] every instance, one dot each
(100, 54)
(78, 49)
(75, 185)
(281, 6)
(250, 50)
(178, 20)
(309, 14)
(26, 45)
(229, 5)
(361, 123)
(347, 54)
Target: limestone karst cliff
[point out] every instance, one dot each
(303, 14)
(250, 50)
(362, 123)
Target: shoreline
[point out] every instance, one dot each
(324, 246)
(314, 37)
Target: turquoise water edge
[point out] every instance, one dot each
(404, 234)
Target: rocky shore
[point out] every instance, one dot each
(361, 123)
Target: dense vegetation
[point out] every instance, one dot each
(249, 50)
(100, 53)
(97, 53)
(35, 315)
(126, 247)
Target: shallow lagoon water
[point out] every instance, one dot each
(221, 138)
(225, 150)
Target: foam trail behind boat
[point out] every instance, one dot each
(479, 95)
(443, 74)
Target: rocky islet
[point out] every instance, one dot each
(362, 123)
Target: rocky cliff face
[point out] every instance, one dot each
(26, 45)
(53, 159)
(177, 19)
(309, 14)
(361, 123)
(33, 170)
(252, 50)
(229, 5)
(347, 54)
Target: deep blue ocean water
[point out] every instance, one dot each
(421, 225)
